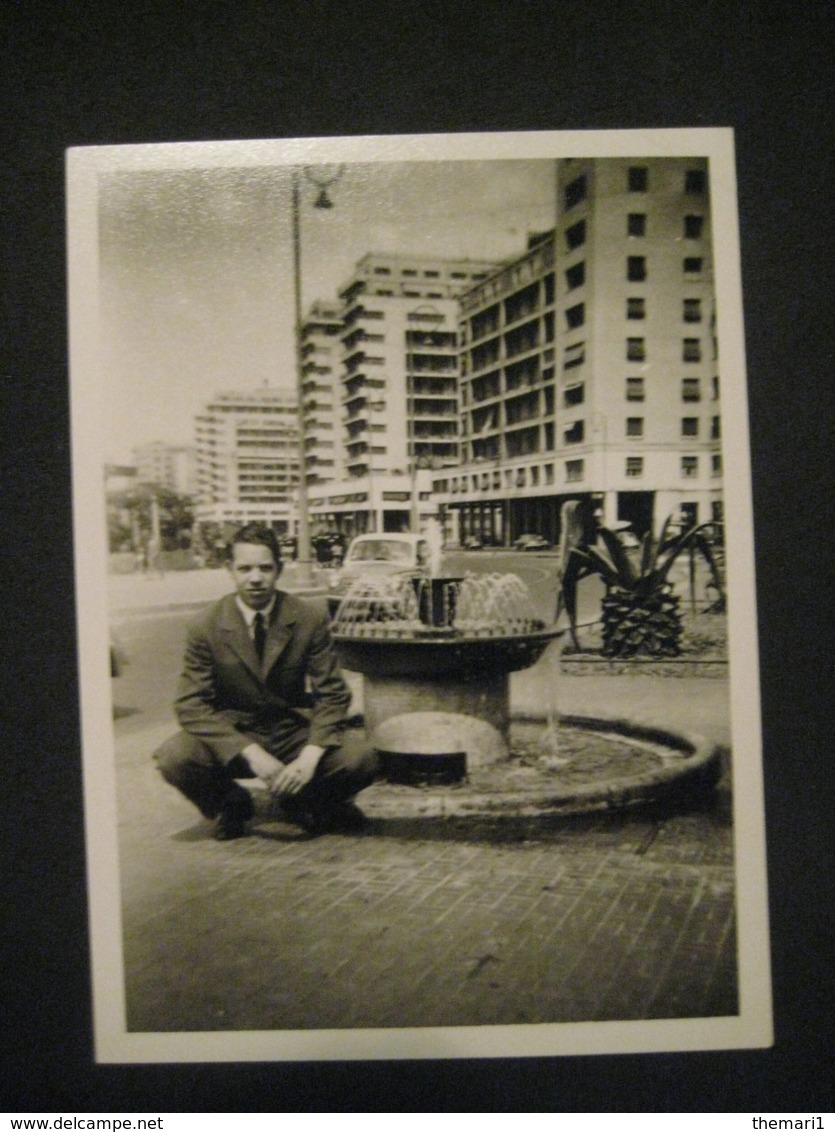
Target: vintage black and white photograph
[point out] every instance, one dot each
(416, 606)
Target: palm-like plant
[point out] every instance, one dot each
(640, 613)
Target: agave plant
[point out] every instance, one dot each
(640, 613)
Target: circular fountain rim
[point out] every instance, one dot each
(454, 636)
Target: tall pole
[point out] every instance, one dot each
(303, 555)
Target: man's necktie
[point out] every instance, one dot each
(260, 635)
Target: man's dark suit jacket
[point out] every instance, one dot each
(227, 699)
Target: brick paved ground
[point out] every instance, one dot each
(421, 922)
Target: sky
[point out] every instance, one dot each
(196, 267)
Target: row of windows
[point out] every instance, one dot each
(575, 433)
(691, 390)
(410, 272)
(574, 472)
(636, 348)
(636, 310)
(637, 181)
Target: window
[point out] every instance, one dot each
(573, 470)
(693, 265)
(534, 477)
(575, 433)
(695, 181)
(575, 316)
(636, 268)
(575, 236)
(636, 224)
(574, 355)
(716, 464)
(636, 308)
(636, 350)
(573, 395)
(634, 466)
(692, 310)
(692, 350)
(693, 226)
(635, 426)
(431, 274)
(689, 426)
(549, 473)
(382, 271)
(637, 179)
(575, 276)
(408, 271)
(576, 191)
(715, 428)
(691, 389)
(689, 466)
(715, 385)
(635, 389)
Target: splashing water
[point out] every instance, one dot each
(549, 740)
(487, 605)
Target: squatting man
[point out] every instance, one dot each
(261, 695)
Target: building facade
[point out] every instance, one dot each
(589, 366)
(166, 465)
(247, 445)
(398, 389)
(321, 349)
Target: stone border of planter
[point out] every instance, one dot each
(579, 664)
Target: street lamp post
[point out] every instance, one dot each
(303, 551)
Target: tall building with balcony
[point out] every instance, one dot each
(399, 391)
(589, 365)
(321, 359)
(247, 444)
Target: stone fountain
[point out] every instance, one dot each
(436, 653)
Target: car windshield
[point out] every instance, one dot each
(382, 550)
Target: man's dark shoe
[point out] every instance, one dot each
(340, 817)
(234, 814)
(345, 817)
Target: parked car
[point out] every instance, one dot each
(531, 542)
(378, 556)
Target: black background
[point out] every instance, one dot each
(153, 71)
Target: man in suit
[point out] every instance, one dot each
(261, 695)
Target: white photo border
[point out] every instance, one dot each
(752, 1027)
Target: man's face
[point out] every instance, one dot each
(255, 574)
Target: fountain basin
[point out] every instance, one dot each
(432, 652)
(608, 764)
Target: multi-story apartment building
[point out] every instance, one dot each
(589, 365)
(321, 357)
(399, 388)
(166, 465)
(247, 445)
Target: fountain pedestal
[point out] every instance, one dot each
(480, 697)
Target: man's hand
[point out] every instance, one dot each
(290, 779)
(262, 764)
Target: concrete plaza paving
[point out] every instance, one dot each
(428, 920)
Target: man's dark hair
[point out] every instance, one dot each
(256, 534)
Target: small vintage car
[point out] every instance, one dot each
(376, 557)
(531, 542)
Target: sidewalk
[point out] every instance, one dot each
(183, 589)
